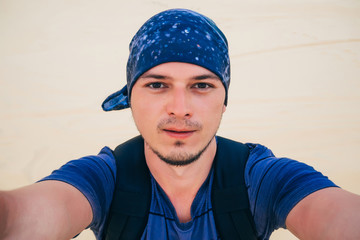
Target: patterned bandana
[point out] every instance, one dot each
(175, 35)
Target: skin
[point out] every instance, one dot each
(177, 100)
(188, 95)
(45, 210)
(328, 214)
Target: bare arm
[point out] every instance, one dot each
(330, 213)
(45, 210)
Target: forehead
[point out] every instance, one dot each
(175, 69)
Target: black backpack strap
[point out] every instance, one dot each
(128, 214)
(130, 206)
(230, 200)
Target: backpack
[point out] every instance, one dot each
(128, 214)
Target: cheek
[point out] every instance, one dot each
(217, 104)
(212, 111)
(145, 114)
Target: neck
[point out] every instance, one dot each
(181, 183)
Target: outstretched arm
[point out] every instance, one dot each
(330, 213)
(45, 210)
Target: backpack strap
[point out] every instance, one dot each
(129, 211)
(230, 200)
(130, 206)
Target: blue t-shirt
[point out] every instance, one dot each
(275, 186)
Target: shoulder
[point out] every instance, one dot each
(94, 176)
(276, 185)
(90, 164)
(265, 169)
(263, 161)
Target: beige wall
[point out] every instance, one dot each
(295, 80)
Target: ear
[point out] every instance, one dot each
(224, 108)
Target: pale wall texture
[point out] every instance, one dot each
(295, 80)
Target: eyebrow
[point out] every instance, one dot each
(206, 76)
(156, 76)
(197, 77)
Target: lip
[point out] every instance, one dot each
(179, 133)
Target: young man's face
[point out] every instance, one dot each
(177, 108)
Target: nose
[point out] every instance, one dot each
(179, 103)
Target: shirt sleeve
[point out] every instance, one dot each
(276, 185)
(94, 177)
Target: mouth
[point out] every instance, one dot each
(179, 133)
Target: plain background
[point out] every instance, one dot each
(295, 81)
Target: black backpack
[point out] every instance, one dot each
(130, 206)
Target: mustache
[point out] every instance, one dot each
(183, 123)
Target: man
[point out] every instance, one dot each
(178, 75)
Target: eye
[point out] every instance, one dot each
(202, 85)
(155, 85)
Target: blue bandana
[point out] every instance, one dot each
(175, 35)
